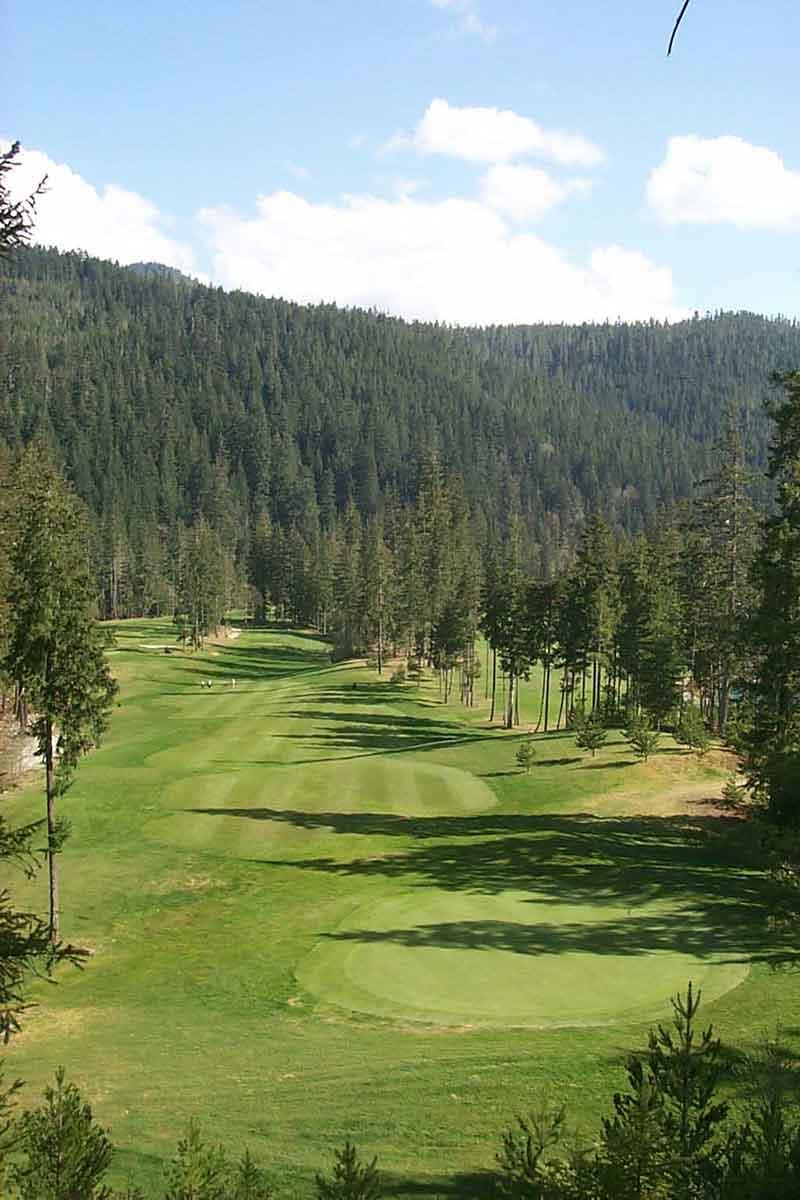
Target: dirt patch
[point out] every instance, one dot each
(17, 752)
(189, 883)
(682, 799)
(228, 633)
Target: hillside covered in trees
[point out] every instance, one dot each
(167, 401)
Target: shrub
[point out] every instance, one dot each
(526, 754)
(589, 729)
(641, 736)
(692, 731)
(351, 1179)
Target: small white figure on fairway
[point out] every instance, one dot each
(233, 685)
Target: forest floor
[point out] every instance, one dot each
(323, 905)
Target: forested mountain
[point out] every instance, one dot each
(167, 401)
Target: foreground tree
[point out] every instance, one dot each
(16, 216)
(351, 1178)
(55, 653)
(773, 740)
(25, 942)
(65, 1152)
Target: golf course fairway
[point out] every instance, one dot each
(319, 904)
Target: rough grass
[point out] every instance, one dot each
(319, 910)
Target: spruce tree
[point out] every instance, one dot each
(55, 653)
(773, 741)
(65, 1153)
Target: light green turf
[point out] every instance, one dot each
(318, 910)
(512, 959)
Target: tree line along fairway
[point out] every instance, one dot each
(323, 904)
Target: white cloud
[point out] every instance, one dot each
(114, 224)
(450, 260)
(724, 180)
(493, 135)
(469, 18)
(525, 193)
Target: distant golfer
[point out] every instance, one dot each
(233, 685)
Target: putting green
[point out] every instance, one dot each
(511, 960)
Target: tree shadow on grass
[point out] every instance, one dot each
(556, 762)
(696, 873)
(462, 1185)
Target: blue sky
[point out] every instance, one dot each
(461, 160)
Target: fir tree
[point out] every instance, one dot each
(65, 1153)
(55, 655)
(351, 1178)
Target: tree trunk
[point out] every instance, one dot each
(510, 708)
(51, 831)
(494, 683)
(546, 690)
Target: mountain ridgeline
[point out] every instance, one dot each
(167, 401)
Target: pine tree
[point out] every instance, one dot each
(198, 1171)
(16, 216)
(687, 1071)
(351, 1179)
(641, 736)
(692, 730)
(718, 586)
(25, 943)
(588, 729)
(773, 741)
(55, 655)
(65, 1153)
(526, 755)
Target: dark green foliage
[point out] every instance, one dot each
(773, 738)
(170, 403)
(249, 1182)
(686, 1070)
(641, 736)
(64, 1152)
(202, 1172)
(8, 1132)
(523, 1166)
(526, 755)
(733, 795)
(351, 1178)
(16, 216)
(25, 943)
(55, 652)
(589, 730)
(633, 1155)
(692, 730)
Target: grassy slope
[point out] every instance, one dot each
(225, 842)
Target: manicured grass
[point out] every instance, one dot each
(320, 910)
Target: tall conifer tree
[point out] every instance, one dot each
(55, 653)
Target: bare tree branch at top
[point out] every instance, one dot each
(16, 217)
(676, 26)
